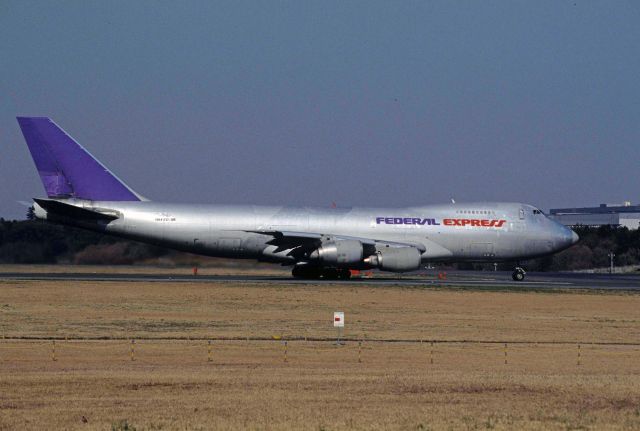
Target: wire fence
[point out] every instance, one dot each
(243, 350)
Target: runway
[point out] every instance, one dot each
(464, 279)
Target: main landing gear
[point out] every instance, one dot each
(518, 274)
(315, 272)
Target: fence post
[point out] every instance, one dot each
(209, 351)
(578, 354)
(133, 342)
(53, 350)
(360, 351)
(431, 354)
(505, 353)
(285, 351)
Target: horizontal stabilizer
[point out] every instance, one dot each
(72, 211)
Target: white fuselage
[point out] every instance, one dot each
(479, 232)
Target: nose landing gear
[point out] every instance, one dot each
(518, 274)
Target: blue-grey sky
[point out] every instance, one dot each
(304, 103)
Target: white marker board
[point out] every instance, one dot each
(338, 319)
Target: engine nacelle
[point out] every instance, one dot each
(395, 259)
(341, 252)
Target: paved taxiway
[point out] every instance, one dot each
(469, 279)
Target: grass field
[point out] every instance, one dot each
(171, 384)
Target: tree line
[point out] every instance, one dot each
(35, 241)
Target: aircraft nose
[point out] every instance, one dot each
(565, 236)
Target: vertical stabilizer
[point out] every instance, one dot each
(66, 169)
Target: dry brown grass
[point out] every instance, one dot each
(171, 385)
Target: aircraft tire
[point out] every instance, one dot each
(308, 273)
(344, 274)
(330, 274)
(518, 275)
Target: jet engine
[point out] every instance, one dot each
(341, 252)
(395, 259)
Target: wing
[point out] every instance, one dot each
(301, 243)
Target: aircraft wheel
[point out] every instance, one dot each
(518, 274)
(305, 272)
(330, 274)
(344, 274)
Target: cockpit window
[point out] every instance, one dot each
(537, 211)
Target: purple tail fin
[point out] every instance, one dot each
(68, 170)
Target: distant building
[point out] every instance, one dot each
(626, 215)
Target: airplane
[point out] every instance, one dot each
(316, 242)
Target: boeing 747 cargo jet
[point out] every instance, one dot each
(316, 242)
